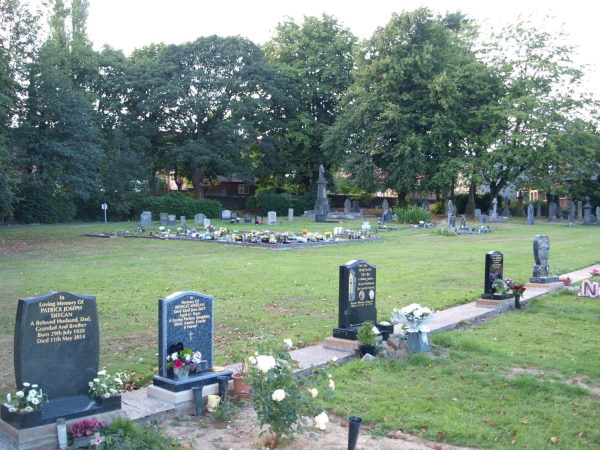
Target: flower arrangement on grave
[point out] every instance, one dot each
(328, 235)
(503, 285)
(282, 399)
(28, 399)
(595, 273)
(223, 230)
(304, 232)
(518, 289)
(413, 317)
(273, 238)
(186, 359)
(87, 427)
(106, 385)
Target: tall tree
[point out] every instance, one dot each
(399, 118)
(318, 55)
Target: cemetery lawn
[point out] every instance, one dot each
(523, 378)
(292, 293)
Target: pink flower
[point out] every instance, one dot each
(178, 364)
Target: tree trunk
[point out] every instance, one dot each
(471, 203)
(402, 198)
(199, 193)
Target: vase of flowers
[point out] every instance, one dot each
(183, 361)
(22, 409)
(518, 290)
(415, 319)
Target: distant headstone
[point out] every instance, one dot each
(450, 207)
(171, 220)
(182, 220)
(355, 206)
(451, 221)
(199, 218)
(347, 206)
(559, 212)
(539, 209)
(426, 205)
(541, 253)
(572, 210)
(587, 213)
(206, 222)
(384, 206)
(225, 214)
(484, 218)
(290, 214)
(146, 219)
(258, 220)
(579, 210)
(597, 211)
(494, 269)
(571, 220)
(477, 213)
(387, 216)
(320, 218)
(272, 218)
(495, 203)
(248, 218)
(520, 211)
(322, 204)
(57, 335)
(463, 221)
(530, 219)
(551, 212)
(357, 297)
(185, 318)
(164, 217)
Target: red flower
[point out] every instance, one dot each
(178, 364)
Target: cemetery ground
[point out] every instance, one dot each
(531, 374)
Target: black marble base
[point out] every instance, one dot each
(496, 296)
(346, 333)
(544, 280)
(199, 379)
(66, 407)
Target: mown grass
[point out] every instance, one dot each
(517, 380)
(291, 292)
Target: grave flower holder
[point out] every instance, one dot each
(114, 400)
(21, 420)
(181, 373)
(417, 342)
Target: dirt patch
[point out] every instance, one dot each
(243, 434)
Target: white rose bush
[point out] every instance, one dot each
(284, 401)
(27, 399)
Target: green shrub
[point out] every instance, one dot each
(124, 434)
(412, 214)
(365, 198)
(180, 205)
(366, 335)
(38, 206)
(226, 410)
(437, 208)
(280, 203)
(252, 203)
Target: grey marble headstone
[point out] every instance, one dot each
(199, 218)
(477, 213)
(451, 221)
(146, 219)
(322, 203)
(384, 205)
(541, 254)
(182, 220)
(206, 222)
(450, 207)
(579, 210)
(551, 212)
(506, 212)
(272, 218)
(484, 218)
(357, 298)
(387, 216)
(539, 209)
(57, 346)
(290, 214)
(225, 214)
(355, 206)
(164, 217)
(171, 220)
(559, 212)
(347, 206)
(426, 205)
(530, 219)
(587, 213)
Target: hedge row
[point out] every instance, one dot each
(180, 205)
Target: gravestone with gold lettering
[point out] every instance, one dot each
(185, 320)
(57, 347)
(357, 297)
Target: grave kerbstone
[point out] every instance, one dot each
(225, 214)
(57, 335)
(164, 217)
(357, 298)
(185, 318)
(272, 218)
(199, 218)
(494, 270)
(146, 219)
(541, 253)
(347, 206)
(171, 220)
(530, 219)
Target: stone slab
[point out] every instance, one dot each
(546, 286)
(489, 303)
(177, 399)
(340, 344)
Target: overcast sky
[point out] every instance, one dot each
(129, 24)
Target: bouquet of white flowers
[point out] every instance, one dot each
(28, 399)
(415, 317)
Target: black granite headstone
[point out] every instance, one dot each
(357, 297)
(494, 268)
(541, 254)
(185, 318)
(57, 346)
(248, 218)
(258, 220)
